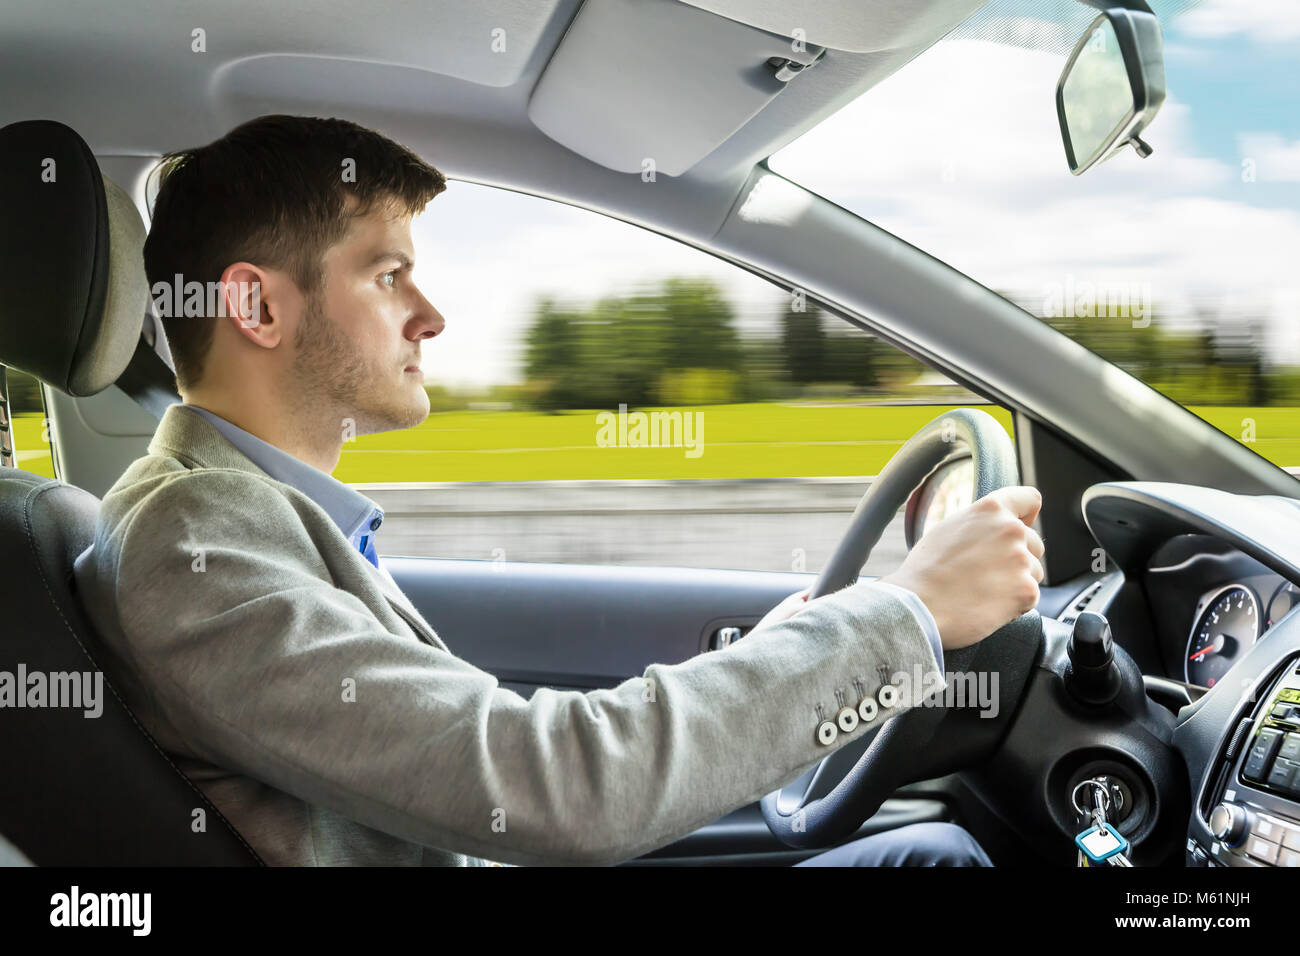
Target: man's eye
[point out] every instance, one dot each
(389, 276)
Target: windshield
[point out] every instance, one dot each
(1180, 267)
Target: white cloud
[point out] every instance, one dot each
(1274, 158)
(1264, 21)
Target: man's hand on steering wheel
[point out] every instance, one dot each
(979, 568)
(975, 570)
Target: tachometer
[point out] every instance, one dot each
(1226, 628)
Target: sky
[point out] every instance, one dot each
(960, 154)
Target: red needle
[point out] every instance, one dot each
(1215, 645)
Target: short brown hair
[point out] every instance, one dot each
(272, 191)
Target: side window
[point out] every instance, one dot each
(602, 394)
(28, 431)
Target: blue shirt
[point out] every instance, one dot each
(356, 515)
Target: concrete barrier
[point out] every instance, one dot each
(758, 524)
(766, 524)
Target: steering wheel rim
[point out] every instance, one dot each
(893, 751)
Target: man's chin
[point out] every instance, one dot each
(394, 417)
(410, 414)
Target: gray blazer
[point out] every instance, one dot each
(297, 686)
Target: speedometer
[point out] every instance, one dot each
(1226, 628)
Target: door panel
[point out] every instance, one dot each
(582, 626)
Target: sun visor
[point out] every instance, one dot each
(855, 26)
(637, 85)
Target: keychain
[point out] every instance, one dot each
(1101, 842)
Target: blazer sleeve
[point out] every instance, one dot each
(266, 668)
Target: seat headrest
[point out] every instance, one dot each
(73, 292)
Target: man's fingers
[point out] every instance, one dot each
(1034, 543)
(1021, 500)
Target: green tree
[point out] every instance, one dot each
(553, 359)
(803, 340)
(623, 348)
(701, 331)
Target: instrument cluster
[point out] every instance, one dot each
(1229, 620)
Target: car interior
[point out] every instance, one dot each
(662, 114)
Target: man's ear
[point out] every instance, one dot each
(245, 294)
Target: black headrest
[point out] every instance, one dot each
(73, 291)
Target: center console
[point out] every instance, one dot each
(1251, 802)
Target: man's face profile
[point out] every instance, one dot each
(359, 333)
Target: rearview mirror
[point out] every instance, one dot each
(1111, 88)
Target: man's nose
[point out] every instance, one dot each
(431, 321)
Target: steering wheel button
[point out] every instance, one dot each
(826, 733)
(867, 709)
(847, 718)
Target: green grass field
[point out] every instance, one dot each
(739, 441)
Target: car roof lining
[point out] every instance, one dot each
(112, 74)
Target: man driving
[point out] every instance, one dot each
(254, 633)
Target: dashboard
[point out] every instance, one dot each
(1193, 612)
(1206, 595)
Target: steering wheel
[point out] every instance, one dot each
(904, 748)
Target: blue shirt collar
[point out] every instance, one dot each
(355, 514)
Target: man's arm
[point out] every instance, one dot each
(270, 670)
